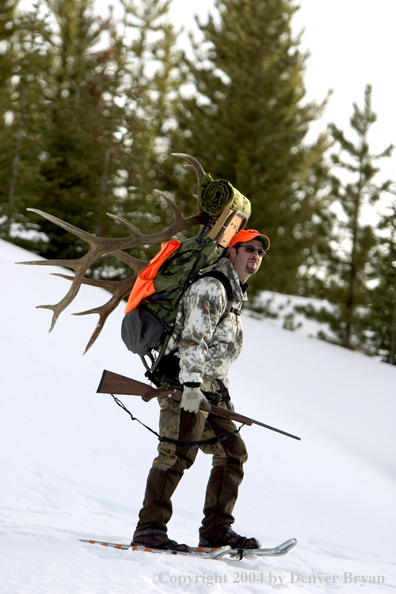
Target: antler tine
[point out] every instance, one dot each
(73, 264)
(67, 226)
(125, 222)
(119, 289)
(195, 165)
(68, 298)
(109, 285)
(175, 209)
(179, 224)
(132, 262)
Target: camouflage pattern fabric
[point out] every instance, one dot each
(169, 426)
(207, 345)
(177, 273)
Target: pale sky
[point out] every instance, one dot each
(352, 43)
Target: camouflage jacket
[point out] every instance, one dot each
(208, 345)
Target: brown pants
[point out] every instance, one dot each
(169, 466)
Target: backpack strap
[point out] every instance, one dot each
(225, 281)
(166, 367)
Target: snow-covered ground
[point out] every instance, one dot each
(73, 465)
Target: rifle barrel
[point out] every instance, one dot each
(277, 430)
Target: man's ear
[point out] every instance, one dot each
(232, 253)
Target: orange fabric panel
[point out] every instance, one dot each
(144, 285)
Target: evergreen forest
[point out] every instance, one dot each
(91, 109)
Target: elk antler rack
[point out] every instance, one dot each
(115, 246)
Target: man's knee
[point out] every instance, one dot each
(236, 449)
(166, 456)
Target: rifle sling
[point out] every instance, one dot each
(178, 442)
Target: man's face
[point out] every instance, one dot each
(244, 262)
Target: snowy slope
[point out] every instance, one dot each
(74, 466)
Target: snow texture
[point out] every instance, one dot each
(73, 465)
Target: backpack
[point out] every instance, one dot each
(152, 307)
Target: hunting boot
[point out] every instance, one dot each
(222, 491)
(232, 539)
(156, 539)
(151, 531)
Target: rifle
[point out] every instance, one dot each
(113, 383)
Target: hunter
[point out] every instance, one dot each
(206, 340)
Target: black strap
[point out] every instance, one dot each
(225, 281)
(225, 395)
(179, 442)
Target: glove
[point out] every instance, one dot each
(192, 399)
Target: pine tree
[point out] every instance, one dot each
(153, 62)
(7, 26)
(247, 122)
(51, 124)
(23, 108)
(80, 129)
(7, 54)
(99, 115)
(350, 251)
(380, 328)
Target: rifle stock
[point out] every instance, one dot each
(113, 383)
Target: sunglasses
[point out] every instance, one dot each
(250, 249)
